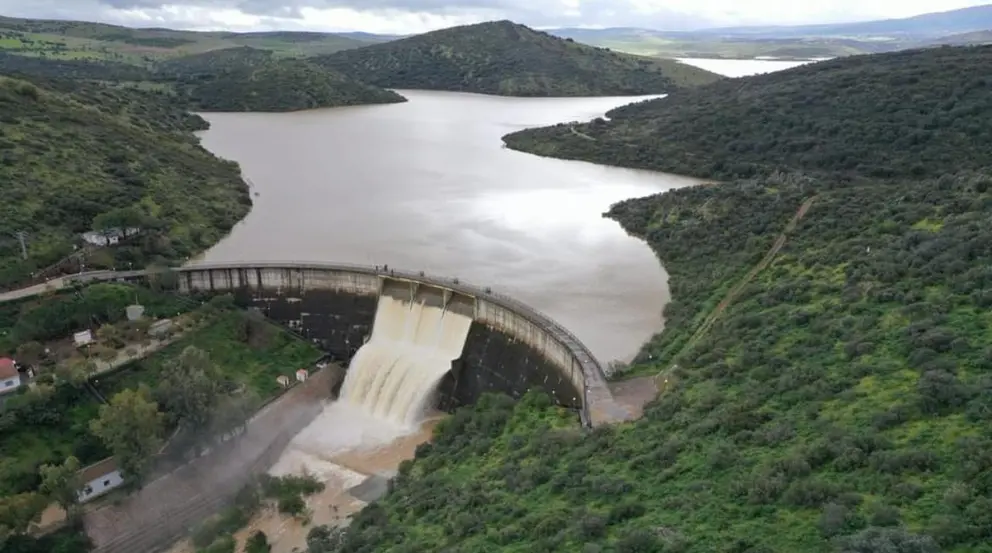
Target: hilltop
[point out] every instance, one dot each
(76, 157)
(509, 59)
(246, 79)
(825, 373)
(907, 114)
(232, 79)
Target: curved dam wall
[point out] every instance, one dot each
(510, 347)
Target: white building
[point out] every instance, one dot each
(83, 338)
(10, 379)
(99, 479)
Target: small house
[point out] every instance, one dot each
(10, 378)
(99, 479)
(83, 338)
(283, 381)
(302, 375)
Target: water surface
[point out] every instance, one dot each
(743, 68)
(426, 185)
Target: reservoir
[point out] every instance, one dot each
(426, 185)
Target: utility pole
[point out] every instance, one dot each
(21, 236)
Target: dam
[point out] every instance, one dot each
(411, 340)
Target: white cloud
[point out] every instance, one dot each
(412, 16)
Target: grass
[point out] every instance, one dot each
(254, 366)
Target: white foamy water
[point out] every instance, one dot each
(394, 374)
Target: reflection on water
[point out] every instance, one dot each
(426, 185)
(743, 68)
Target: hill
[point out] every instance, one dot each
(86, 40)
(974, 38)
(76, 156)
(964, 20)
(246, 79)
(840, 402)
(513, 60)
(798, 41)
(702, 44)
(914, 113)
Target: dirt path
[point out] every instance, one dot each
(731, 296)
(580, 134)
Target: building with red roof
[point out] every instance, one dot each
(10, 378)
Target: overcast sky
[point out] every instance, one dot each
(414, 16)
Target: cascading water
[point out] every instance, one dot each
(386, 390)
(412, 346)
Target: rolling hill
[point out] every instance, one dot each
(839, 402)
(912, 113)
(246, 79)
(75, 151)
(962, 20)
(798, 41)
(509, 59)
(86, 40)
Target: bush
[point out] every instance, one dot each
(258, 543)
(223, 544)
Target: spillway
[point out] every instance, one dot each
(412, 345)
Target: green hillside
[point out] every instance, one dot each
(57, 39)
(840, 401)
(513, 60)
(914, 113)
(75, 151)
(246, 79)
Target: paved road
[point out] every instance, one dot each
(51, 285)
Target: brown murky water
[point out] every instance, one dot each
(426, 185)
(342, 448)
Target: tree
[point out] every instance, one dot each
(120, 220)
(75, 371)
(190, 389)
(61, 483)
(30, 353)
(325, 539)
(131, 427)
(111, 336)
(17, 512)
(258, 543)
(232, 413)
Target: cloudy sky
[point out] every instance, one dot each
(413, 16)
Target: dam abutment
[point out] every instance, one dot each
(510, 347)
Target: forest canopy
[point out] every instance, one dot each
(919, 113)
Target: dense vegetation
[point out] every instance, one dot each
(841, 403)
(203, 385)
(844, 402)
(247, 352)
(513, 60)
(908, 114)
(246, 79)
(100, 160)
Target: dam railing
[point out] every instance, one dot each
(592, 371)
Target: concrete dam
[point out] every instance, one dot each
(412, 339)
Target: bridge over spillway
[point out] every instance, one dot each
(510, 347)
